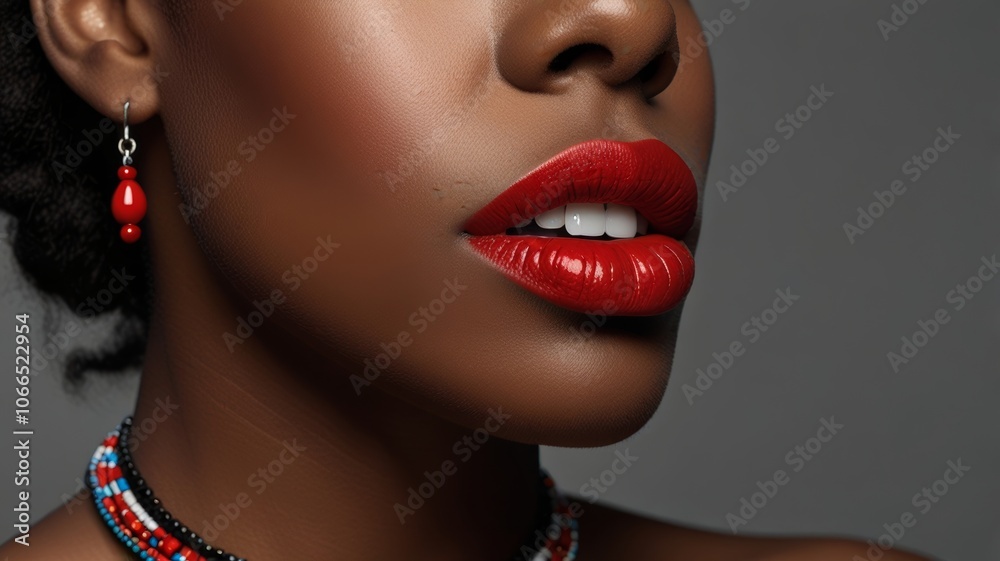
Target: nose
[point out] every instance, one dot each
(546, 44)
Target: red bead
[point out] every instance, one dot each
(170, 545)
(126, 172)
(122, 505)
(110, 506)
(128, 205)
(130, 233)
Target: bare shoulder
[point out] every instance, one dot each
(67, 533)
(609, 533)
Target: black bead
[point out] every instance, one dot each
(154, 506)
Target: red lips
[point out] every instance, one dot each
(640, 276)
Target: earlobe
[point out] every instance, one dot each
(103, 49)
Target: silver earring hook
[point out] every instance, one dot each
(127, 145)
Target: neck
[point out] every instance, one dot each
(263, 455)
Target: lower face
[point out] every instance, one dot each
(345, 157)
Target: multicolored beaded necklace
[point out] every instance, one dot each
(142, 524)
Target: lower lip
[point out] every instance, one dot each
(641, 276)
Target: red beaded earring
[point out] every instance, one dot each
(128, 204)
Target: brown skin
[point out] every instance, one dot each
(463, 92)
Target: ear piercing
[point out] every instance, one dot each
(128, 205)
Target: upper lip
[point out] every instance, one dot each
(646, 175)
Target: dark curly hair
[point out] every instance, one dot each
(58, 162)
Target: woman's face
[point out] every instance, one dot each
(335, 152)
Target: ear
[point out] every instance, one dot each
(103, 49)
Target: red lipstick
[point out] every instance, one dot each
(637, 276)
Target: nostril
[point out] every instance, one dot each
(659, 73)
(649, 71)
(626, 44)
(577, 53)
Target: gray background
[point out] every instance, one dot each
(826, 356)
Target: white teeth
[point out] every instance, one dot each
(621, 221)
(552, 219)
(585, 219)
(593, 220)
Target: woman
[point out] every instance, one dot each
(392, 248)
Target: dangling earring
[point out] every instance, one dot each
(129, 202)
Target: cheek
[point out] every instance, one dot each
(334, 160)
(324, 126)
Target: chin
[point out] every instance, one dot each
(557, 389)
(607, 391)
